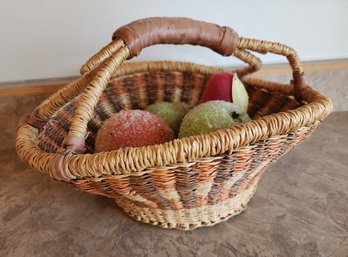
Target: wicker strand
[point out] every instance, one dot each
(253, 61)
(129, 68)
(90, 97)
(102, 55)
(263, 46)
(27, 149)
(49, 106)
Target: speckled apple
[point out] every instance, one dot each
(171, 113)
(211, 116)
(132, 128)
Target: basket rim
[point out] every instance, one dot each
(127, 161)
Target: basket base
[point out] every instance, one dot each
(189, 219)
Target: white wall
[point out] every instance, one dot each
(50, 38)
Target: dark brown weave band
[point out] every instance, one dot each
(30, 119)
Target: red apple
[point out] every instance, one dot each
(227, 87)
(219, 87)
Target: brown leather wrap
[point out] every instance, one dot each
(58, 166)
(299, 84)
(161, 30)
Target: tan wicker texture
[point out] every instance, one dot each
(185, 183)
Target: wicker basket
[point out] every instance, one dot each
(185, 183)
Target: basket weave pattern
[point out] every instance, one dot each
(185, 183)
(154, 197)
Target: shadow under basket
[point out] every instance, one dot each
(185, 183)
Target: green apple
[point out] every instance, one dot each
(211, 116)
(171, 113)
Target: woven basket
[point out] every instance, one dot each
(185, 183)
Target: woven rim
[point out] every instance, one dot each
(136, 160)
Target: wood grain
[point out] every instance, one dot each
(30, 90)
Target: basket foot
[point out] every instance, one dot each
(189, 219)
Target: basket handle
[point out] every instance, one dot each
(263, 47)
(160, 30)
(223, 40)
(164, 30)
(143, 33)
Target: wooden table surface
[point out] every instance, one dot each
(300, 209)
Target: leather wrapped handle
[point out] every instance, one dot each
(162, 30)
